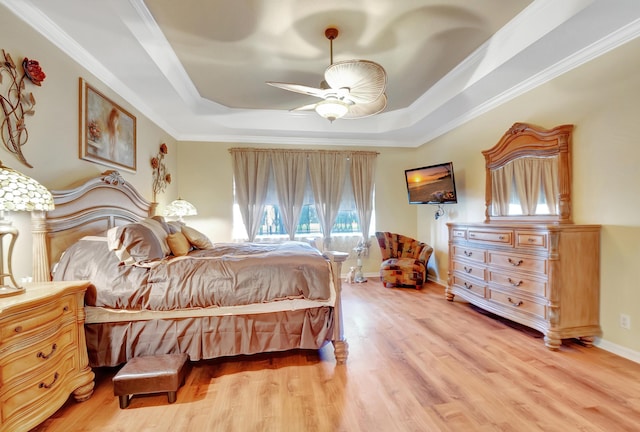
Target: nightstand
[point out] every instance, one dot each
(43, 353)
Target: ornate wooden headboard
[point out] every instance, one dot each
(89, 209)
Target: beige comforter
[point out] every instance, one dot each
(227, 275)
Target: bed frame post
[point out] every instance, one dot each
(340, 345)
(40, 257)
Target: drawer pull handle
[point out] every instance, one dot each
(42, 355)
(18, 329)
(531, 240)
(515, 284)
(48, 386)
(66, 308)
(515, 263)
(468, 285)
(472, 235)
(467, 253)
(516, 304)
(500, 237)
(468, 269)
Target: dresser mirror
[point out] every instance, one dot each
(528, 175)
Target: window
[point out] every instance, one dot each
(346, 222)
(266, 180)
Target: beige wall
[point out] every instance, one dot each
(599, 98)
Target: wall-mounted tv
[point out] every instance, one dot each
(432, 184)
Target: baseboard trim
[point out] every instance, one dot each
(619, 350)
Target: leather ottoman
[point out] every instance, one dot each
(151, 374)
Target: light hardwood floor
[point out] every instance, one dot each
(417, 363)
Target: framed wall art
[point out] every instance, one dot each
(107, 131)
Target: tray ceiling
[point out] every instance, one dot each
(198, 68)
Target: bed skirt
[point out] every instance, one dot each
(207, 337)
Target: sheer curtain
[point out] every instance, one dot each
(501, 182)
(290, 173)
(362, 180)
(522, 181)
(327, 171)
(251, 176)
(527, 178)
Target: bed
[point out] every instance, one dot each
(202, 298)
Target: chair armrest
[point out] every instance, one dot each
(425, 254)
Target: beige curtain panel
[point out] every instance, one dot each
(521, 181)
(327, 172)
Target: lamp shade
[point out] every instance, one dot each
(19, 192)
(180, 208)
(332, 108)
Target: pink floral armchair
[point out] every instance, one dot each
(404, 260)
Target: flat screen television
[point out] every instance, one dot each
(432, 184)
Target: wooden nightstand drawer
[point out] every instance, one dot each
(46, 384)
(37, 355)
(26, 323)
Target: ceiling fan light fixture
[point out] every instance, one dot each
(332, 109)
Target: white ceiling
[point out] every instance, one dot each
(198, 68)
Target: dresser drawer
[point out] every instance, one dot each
(468, 253)
(534, 240)
(490, 236)
(460, 234)
(516, 281)
(515, 302)
(47, 384)
(469, 269)
(476, 287)
(518, 262)
(37, 355)
(27, 323)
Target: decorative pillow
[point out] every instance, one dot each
(179, 244)
(175, 226)
(196, 238)
(165, 224)
(159, 231)
(134, 243)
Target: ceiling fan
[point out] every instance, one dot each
(351, 89)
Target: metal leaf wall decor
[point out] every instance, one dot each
(17, 103)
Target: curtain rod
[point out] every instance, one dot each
(344, 152)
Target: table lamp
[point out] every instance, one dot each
(180, 208)
(17, 193)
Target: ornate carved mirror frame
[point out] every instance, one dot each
(523, 140)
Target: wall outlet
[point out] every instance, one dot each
(625, 321)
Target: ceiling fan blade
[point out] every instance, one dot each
(367, 109)
(298, 88)
(366, 80)
(305, 108)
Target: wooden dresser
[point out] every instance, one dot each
(543, 276)
(43, 354)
